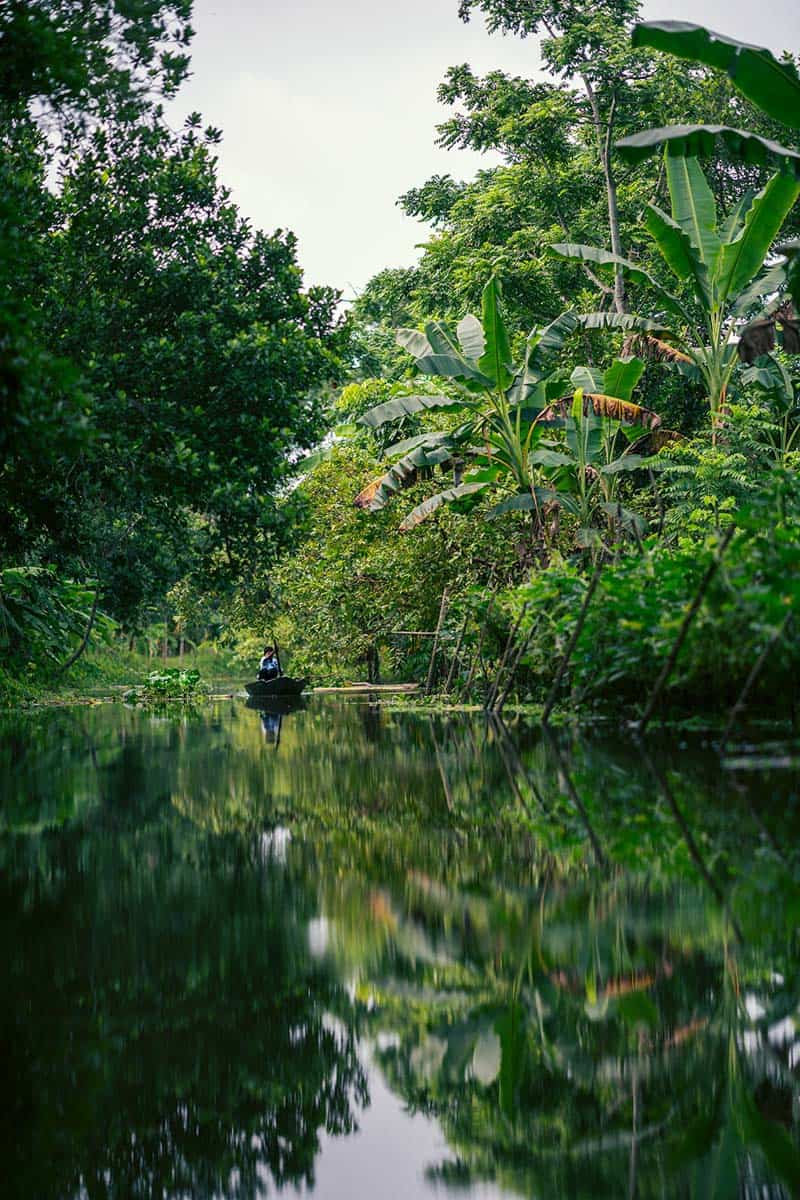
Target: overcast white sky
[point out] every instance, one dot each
(328, 109)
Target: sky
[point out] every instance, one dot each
(328, 110)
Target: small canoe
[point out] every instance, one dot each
(284, 685)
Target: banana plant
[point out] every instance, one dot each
(584, 471)
(771, 85)
(505, 409)
(722, 265)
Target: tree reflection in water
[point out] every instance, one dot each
(580, 958)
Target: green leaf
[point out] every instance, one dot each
(587, 378)
(551, 458)
(699, 141)
(548, 341)
(429, 440)
(672, 241)
(452, 366)
(496, 359)
(406, 406)
(605, 259)
(621, 321)
(522, 502)
(470, 337)
(626, 462)
(771, 280)
(772, 86)
(694, 207)
(621, 378)
(732, 225)
(429, 506)
(743, 258)
(440, 339)
(413, 341)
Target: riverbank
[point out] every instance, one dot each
(104, 671)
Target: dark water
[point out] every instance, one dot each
(374, 954)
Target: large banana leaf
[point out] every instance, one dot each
(611, 408)
(605, 259)
(677, 250)
(440, 339)
(402, 474)
(624, 321)
(772, 86)
(496, 358)
(550, 340)
(743, 258)
(622, 377)
(413, 341)
(429, 506)
(700, 141)
(406, 406)
(770, 281)
(453, 366)
(734, 222)
(541, 345)
(470, 337)
(588, 378)
(428, 440)
(521, 502)
(694, 207)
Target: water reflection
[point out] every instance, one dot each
(573, 963)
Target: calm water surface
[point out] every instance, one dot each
(356, 953)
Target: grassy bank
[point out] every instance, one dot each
(104, 670)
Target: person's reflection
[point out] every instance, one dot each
(271, 727)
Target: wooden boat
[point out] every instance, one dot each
(284, 685)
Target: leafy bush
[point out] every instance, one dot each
(640, 603)
(171, 683)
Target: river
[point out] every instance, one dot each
(360, 953)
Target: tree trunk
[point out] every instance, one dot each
(604, 132)
(73, 658)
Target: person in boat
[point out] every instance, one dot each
(269, 667)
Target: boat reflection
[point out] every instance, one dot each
(272, 711)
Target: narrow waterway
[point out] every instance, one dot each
(356, 953)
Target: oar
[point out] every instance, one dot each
(277, 655)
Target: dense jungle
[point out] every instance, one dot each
(506, 904)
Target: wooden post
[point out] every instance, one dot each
(456, 653)
(573, 641)
(439, 623)
(691, 613)
(512, 673)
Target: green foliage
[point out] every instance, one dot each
(718, 264)
(353, 581)
(168, 683)
(641, 599)
(42, 616)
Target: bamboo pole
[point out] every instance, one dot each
(690, 615)
(456, 653)
(435, 647)
(512, 673)
(511, 639)
(573, 641)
